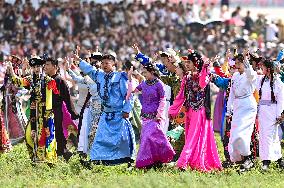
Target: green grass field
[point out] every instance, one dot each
(17, 171)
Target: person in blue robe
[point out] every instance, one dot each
(114, 142)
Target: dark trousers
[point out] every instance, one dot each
(59, 135)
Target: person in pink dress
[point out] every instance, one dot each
(200, 149)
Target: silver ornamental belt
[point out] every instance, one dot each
(242, 97)
(266, 102)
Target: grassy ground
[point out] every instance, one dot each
(17, 171)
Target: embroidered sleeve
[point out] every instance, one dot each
(230, 100)
(221, 82)
(21, 82)
(219, 71)
(142, 58)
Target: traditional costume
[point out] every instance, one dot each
(154, 145)
(43, 146)
(271, 105)
(243, 105)
(91, 114)
(63, 95)
(13, 116)
(114, 141)
(200, 149)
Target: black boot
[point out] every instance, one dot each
(247, 164)
(67, 155)
(265, 165)
(227, 164)
(280, 163)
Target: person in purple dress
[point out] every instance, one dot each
(155, 148)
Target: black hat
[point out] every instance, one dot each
(36, 61)
(108, 56)
(96, 56)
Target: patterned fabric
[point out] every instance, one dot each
(5, 144)
(200, 149)
(173, 81)
(95, 109)
(16, 120)
(195, 96)
(70, 128)
(43, 146)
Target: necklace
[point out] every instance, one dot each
(151, 82)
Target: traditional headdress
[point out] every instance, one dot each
(36, 61)
(96, 56)
(169, 52)
(108, 56)
(196, 58)
(16, 60)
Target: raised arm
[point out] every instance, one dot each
(221, 82)
(204, 76)
(18, 81)
(250, 73)
(230, 101)
(88, 69)
(76, 78)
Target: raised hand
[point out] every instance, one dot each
(228, 54)
(246, 58)
(216, 58)
(66, 63)
(76, 54)
(135, 48)
(155, 56)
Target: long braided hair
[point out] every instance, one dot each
(269, 65)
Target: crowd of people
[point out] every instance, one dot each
(57, 27)
(161, 100)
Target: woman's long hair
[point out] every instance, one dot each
(269, 65)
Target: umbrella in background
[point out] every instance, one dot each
(196, 26)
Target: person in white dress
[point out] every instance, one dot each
(243, 106)
(271, 105)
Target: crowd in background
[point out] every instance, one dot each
(56, 28)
